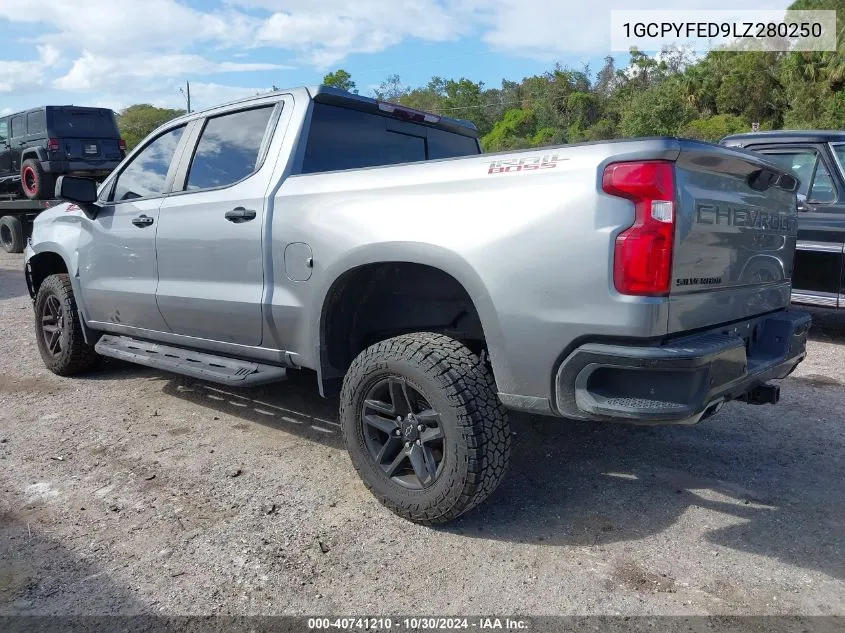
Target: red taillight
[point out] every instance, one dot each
(53, 145)
(122, 145)
(642, 263)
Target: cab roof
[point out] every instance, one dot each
(786, 136)
(336, 96)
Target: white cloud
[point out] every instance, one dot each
(92, 71)
(117, 26)
(168, 95)
(126, 49)
(25, 76)
(138, 49)
(325, 32)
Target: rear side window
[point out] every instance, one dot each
(146, 174)
(341, 138)
(83, 123)
(228, 149)
(4, 130)
(36, 122)
(18, 126)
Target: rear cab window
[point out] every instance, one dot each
(341, 138)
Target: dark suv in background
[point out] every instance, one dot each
(38, 145)
(817, 157)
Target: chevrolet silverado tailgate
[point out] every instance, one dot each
(735, 237)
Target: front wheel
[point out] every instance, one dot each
(424, 427)
(58, 329)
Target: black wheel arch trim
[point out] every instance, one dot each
(88, 334)
(39, 153)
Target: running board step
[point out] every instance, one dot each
(220, 369)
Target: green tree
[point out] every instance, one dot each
(671, 93)
(715, 127)
(750, 87)
(137, 121)
(513, 131)
(392, 89)
(814, 81)
(659, 110)
(340, 79)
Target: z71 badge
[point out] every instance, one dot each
(529, 163)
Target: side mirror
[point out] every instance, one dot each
(802, 202)
(82, 191)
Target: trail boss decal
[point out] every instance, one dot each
(529, 163)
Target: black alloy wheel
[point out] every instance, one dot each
(402, 433)
(52, 325)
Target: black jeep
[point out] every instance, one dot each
(38, 145)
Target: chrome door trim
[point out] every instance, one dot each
(824, 247)
(821, 299)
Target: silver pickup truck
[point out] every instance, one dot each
(434, 288)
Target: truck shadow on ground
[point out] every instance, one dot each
(293, 406)
(776, 491)
(588, 485)
(41, 577)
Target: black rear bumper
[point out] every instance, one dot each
(684, 380)
(94, 167)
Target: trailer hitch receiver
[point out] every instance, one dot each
(762, 394)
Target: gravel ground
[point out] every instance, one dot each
(133, 491)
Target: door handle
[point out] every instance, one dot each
(142, 221)
(239, 214)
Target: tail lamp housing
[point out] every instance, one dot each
(642, 261)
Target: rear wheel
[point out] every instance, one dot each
(59, 331)
(11, 234)
(424, 427)
(35, 182)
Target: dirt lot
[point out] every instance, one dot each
(135, 491)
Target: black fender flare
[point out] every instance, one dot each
(34, 152)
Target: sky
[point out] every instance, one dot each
(113, 53)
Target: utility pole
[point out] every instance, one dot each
(187, 94)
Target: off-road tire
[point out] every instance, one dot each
(11, 234)
(35, 182)
(75, 355)
(460, 387)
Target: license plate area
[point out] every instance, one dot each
(90, 149)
